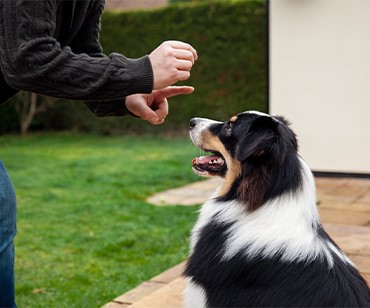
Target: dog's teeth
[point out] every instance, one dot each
(216, 161)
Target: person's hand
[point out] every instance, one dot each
(171, 62)
(154, 107)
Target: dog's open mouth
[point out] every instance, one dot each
(211, 165)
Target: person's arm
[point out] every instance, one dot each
(111, 108)
(149, 107)
(87, 41)
(33, 60)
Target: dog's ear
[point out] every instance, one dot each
(261, 142)
(288, 132)
(282, 120)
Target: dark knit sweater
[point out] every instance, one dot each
(52, 47)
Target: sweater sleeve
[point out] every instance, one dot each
(33, 60)
(87, 41)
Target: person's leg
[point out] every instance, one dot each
(7, 234)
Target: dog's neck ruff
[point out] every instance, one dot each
(286, 226)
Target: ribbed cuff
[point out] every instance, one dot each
(115, 108)
(141, 72)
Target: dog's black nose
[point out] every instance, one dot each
(193, 122)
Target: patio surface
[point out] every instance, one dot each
(344, 206)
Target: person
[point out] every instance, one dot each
(52, 47)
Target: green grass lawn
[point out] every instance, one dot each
(85, 232)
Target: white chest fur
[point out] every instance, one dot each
(194, 295)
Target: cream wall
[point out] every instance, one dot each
(320, 79)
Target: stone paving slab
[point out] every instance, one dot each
(363, 265)
(351, 239)
(143, 290)
(169, 296)
(147, 288)
(189, 195)
(347, 217)
(170, 274)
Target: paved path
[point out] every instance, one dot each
(192, 194)
(344, 206)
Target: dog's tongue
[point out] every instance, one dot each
(210, 165)
(208, 160)
(204, 159)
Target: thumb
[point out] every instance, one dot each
(147, 114)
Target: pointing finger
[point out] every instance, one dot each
(174, 91)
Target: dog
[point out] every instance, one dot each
(258, 241)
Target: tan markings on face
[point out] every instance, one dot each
(209, 141)
(232, 173)
(234, 119)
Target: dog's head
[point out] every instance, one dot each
(254, 152)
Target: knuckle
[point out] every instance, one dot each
(174, 74)
(169, 52)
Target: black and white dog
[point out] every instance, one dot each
(258, 241)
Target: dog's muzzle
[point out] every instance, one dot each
(196, 127)
(209, 165)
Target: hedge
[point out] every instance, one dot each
(229, 76)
